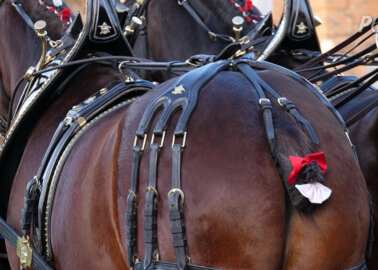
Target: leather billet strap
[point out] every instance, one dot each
(176, 209)
(188, 7)
(132, 208)
(286, 104)
(150, 212)
(183, 97)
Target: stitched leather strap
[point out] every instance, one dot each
(176, 211)
(286, 104)
(132, 207)
(150, 212)
(196, 17)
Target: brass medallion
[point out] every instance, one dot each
(105, 29)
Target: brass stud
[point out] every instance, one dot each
(103, 91)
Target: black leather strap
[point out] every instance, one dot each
(176, 211)
(286, 104)
(23, 14)
(150, 212)
(29, 203)
(132, 208)
(196, 17)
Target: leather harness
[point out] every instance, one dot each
(183, 97)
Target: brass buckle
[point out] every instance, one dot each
(144, 141)
(183, 140)
(24, 252)
(179, 191)
(132, 193)
(149, 188)
(281, 101)
(162, 139)
(261, 100)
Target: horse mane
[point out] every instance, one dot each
(221, 11)
(37, 10)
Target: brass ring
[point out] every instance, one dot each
(179, 191)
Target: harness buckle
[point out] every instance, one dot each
(24, 252)
(183, 140)
(179, 191)
(213, 36)
(282, 101)
(144, 141)
(162, 139)
(264, 101)
(149, 188)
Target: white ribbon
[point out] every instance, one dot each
(57, 3)
(315, 192)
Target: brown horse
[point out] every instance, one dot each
(237, 213)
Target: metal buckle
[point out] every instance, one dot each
(149, 188)
(179, 191)
(132, 193)
(68, 120)
(261, 100)
(24, 252)
(144, 141)
(183, 140)
(162, 139)
(213, 36)
(281, 101)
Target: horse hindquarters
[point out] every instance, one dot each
(234, 208)
(364, 134)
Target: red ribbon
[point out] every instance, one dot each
(299, 163)
(248, 5)
(66, 13)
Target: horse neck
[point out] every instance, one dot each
(174, 35)
(20, 48)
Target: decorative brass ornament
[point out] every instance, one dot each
(103, 91)
(24, 252)
(237, 21)
(134, 24)
(82, 122)
(302, 28)
(178, 90)
(29, 73)
(40, 27)
(105, 29)
(89, 100)
(76, 108)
